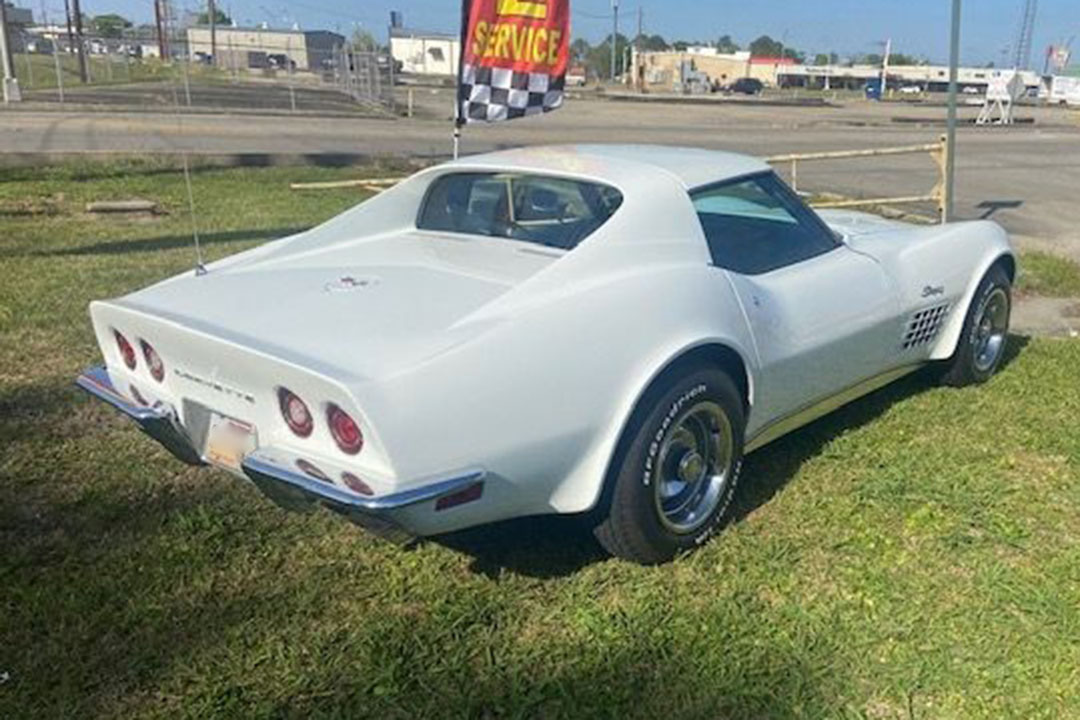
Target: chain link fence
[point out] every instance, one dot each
(251, 70)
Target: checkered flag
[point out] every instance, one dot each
(490, 94)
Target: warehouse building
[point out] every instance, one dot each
(425, 53)
(260, 48)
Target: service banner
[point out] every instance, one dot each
(515, 55)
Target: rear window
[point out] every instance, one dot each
(548, 211)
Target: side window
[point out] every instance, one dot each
(758, 225)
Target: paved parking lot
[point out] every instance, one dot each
(1025, 176)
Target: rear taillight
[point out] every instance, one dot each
(312, 470)
(296, 413)
(344, 429)
(357, 485)
(153, 361)
(126, 350)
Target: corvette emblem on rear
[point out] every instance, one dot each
(349, 283)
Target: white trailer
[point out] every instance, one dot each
(1065, 91)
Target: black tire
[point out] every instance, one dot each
(635, 524)
(969, 365)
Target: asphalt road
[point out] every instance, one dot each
(1026, 177)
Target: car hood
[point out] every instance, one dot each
(368, 307)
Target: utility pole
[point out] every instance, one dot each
(84, 75)
(614, 38)
(163, 48)
(11, 83)
(70, 32)
(638, 82)
(212, 12)
(950, 137)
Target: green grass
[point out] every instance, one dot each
(914, 555)
(38, 72)
(1048, 275)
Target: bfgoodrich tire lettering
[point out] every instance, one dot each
(677, 471)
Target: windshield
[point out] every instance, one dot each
(548, 211)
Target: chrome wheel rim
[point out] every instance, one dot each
(991, 330)
(693, 467)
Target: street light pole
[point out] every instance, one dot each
(950, 141)
(11, 83)
(614, 38)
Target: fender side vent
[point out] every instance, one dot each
(925, 326)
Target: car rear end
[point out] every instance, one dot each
(283, 420)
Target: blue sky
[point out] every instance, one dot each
(846, 26)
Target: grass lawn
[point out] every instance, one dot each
(38, 72)
(916, 555)
(1049, 275)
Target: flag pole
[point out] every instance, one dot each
(459, 118)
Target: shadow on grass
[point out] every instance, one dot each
(545, 547)
(175, 596)
(174, 242)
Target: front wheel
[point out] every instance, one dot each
(986, 332)
(676, 474)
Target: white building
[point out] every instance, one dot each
(258, 48)
(424, 53)
(932, 78)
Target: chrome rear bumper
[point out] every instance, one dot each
(159, 422)
(298, 492)
(273, 473)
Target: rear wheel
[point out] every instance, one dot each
(985, 335)
(675, 476)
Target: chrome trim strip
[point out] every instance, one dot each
(96, 381)
(820, 408)
(159, 422)
(258, 469)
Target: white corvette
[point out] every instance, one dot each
(550, 330)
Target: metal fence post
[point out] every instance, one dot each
(59, 73)
(289, 70)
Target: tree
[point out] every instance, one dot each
(902, 59)
(110, 25)
(651, 43)
(364, 41)
(220, 18)
(579, 51)
(680, 45)
(826, 59)
(765, 46)
(726, 45)
(599, 58)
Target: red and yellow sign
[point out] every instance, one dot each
(526, 36)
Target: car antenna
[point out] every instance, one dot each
(200, 266)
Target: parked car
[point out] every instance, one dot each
(599, 330)
(746, 86)
(911, 90)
